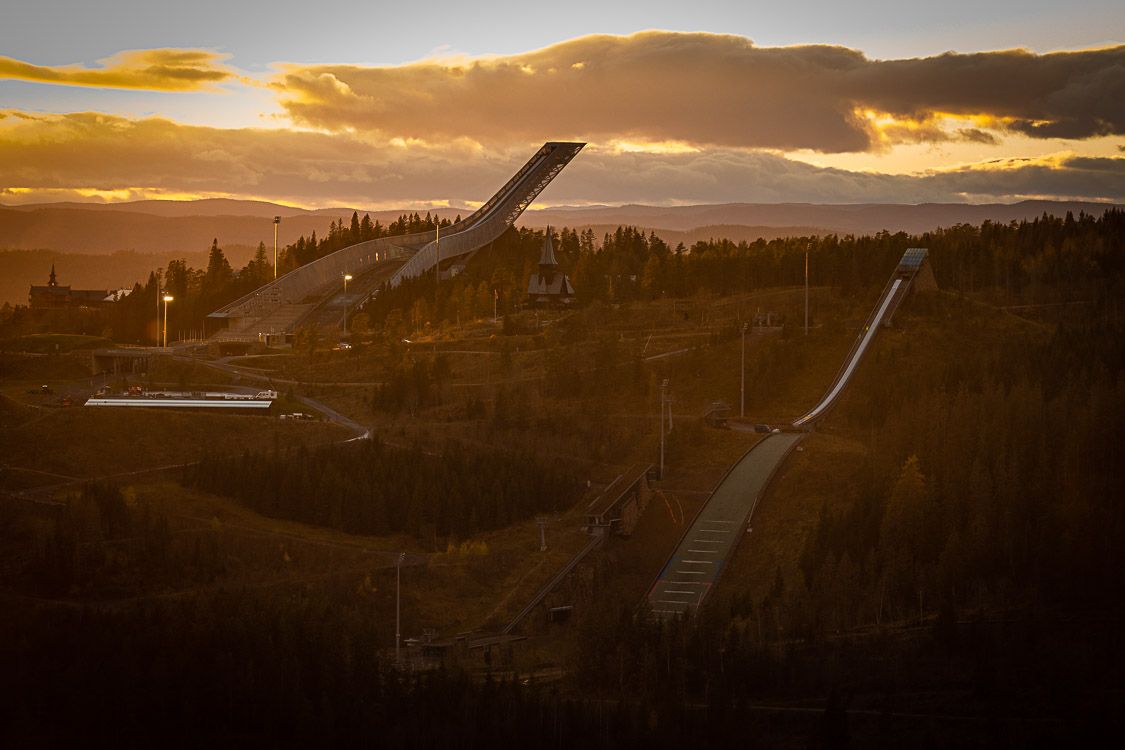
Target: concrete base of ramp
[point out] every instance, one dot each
(695, 566)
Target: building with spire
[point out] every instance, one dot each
(549, 287)
(55, 297)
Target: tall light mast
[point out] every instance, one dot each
(276, 221)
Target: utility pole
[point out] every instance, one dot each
(742, 403)
(542, 521)
(398, 603)
(663, 389)
(807, 289)
(276, 221)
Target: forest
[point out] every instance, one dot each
(1048, 259)
(198, 292)
(374, 488)
(978, 541)
(965, 570)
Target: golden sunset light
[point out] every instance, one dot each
(152, 70)
(597, 375)
(637, 95)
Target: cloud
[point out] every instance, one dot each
(976, 135)
(1077, 94)
(150, 69)
(715, 90)
(97, 155)
(100, 152)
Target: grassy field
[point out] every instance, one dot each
(52, 343)
(482, 582)
(826, 473)
(57, 444)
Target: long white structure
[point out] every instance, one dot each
(179, 403)
(912, 263)
(857, 354)
(221, 400)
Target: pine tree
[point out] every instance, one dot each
(354, 229)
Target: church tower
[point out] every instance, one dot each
(547, 262)
(549, 287)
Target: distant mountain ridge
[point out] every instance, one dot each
(859, 218)
(155, 226)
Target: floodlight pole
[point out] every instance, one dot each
(276, 221)
(347, 278)
(807, 289)
(167, 298)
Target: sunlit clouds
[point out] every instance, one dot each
(671, 118)
(94, 155)
(152, 69)
(714, 90)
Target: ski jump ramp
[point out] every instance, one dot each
(314, 292)
(693, 569)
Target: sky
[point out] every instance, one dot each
(384, 106)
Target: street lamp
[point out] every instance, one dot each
(276, 222)
(347, 278)
(167, 298)
(742, 404)
(398, 602)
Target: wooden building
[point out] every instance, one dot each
(549, 287)
(55, 297)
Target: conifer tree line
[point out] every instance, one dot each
(374, 488)
(1046, 259)
(200, 291)
(305, 669)
(995, 481)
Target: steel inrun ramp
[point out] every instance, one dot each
(890, 299)
(695, 566)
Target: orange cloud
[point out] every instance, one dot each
(97, 156)
(715, 90)
(150, 69)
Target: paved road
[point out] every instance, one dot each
(359, 431)
(695, 566)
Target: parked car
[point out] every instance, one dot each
(762, 428)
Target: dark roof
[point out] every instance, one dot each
(548, 257)
(557, 286)
(96, 295)
(61, 291)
